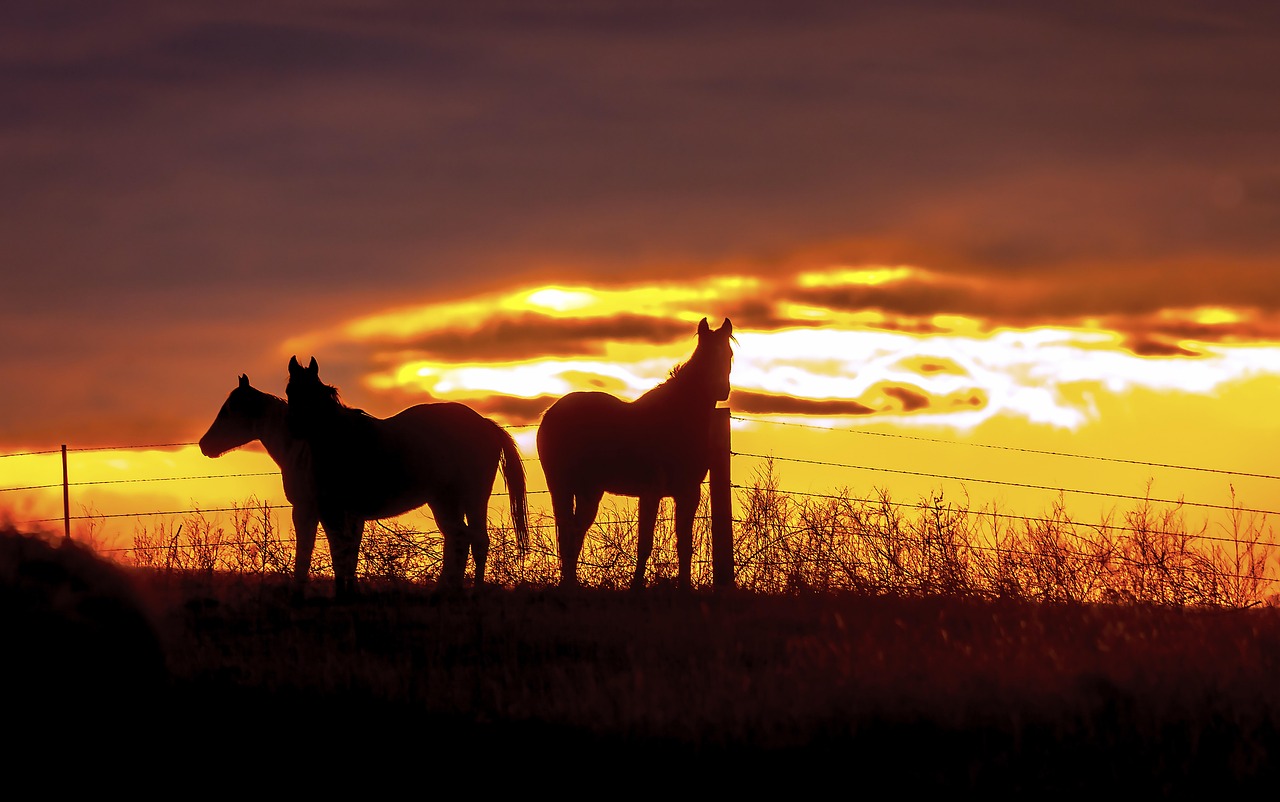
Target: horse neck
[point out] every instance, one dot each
(323, 420)
(678, 392)
(273, 430)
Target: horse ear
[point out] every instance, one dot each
(293, 364)
(244, 380)
(703, 328)
(313, 367)
(727, 327)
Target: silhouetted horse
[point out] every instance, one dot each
(250, 414)
(658, 446)
(444, 455)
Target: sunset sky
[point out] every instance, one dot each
(950, 237)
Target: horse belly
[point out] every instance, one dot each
(593, 441)
(635, 474)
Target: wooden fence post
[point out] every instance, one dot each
(66, 497)
(721, 502)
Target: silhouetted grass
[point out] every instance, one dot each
(786, 543)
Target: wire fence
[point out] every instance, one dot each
(759, 458)
(737, 454)
(1090, 540)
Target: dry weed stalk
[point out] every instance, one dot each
(787, 543)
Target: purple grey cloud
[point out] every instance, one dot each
(188, 185)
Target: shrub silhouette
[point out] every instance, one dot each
(81, 649)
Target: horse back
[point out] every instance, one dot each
(444, 438)
(591, 438)
(381, 467)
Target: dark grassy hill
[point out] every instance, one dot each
(621, 692)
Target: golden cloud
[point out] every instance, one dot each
(896, 340)
(530, 335)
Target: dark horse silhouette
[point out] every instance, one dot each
(250, 414)
(658, 446)
(444, 455)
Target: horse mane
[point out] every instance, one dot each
(271, 396)
(329, 395)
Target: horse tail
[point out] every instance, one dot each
(513, 475)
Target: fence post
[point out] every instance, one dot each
(721, 502)
(66, 498)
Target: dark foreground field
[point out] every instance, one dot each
(230, 680)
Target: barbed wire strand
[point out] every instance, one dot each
(1023, 485)
(824, 463)
(742, 419)
(1008, 448)
(1097, 526)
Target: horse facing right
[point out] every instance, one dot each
(657, 446)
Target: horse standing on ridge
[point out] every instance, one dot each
(444, 455)
(655, 447)
(250, 414)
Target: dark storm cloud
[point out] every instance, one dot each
(260, 169)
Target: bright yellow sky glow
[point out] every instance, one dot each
(658, 300)
(525, 380)
(867, 276)
(804, 312)
(558, 300)
(1217, 315)
(1207, 315)
(652, 299)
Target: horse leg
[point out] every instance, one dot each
(572, 535)
(345, 532)
(562, 509)
(456, 544)
(478, 530)
(357, 536)
(686, 510)
(305, 523)
(644, 540)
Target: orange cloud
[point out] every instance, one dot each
(511, 409)
(755, 403)
(911, 400)
(530, 335)
(1151, 346)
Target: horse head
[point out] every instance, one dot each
(236, 421)
(309, 374)
(310, 399)
(713, 357)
